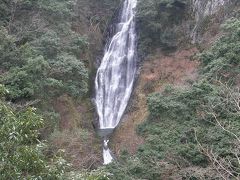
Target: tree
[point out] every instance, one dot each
(193, 132)
(222, 60)
(21, 152)
(158, 24)
(72, 73)
(27, 81)
(9, 53)
(225, 114)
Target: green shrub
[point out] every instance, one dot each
(27, 81)
(9, 53)
(99, 174)
(21, 152)
(222, 61)
(39, 70)
(157, 23)
(72, 73)
(195, 128)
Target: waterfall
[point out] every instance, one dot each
(202, 9)
(116, 74)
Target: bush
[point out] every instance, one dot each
(27, 81)
(222, 61)
(72, 73)
(32, 70)
(99, 174)
(157, 23)
(8, 50)
(21, 152)
(193, 132)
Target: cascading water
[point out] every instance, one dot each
(116, 74)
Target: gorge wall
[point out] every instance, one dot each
(182, 120)
(168, 47)
(167, 44)
(169, 59)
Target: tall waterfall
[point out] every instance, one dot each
(116, 74)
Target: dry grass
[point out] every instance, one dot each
(176, 68)
(125, 137)
(76, 135)
(81, 148)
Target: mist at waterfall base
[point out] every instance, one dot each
(116, 74)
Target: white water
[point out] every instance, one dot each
(116, 74)
(107, 157)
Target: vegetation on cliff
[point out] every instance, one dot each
(45, 61)
(193, 132)
(47, 52)
(21, 152)
(158, 25)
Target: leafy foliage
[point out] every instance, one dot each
(157, 23)
(40, 58)
(21, 152)
(4, 12)
(43, 60)
(222, 60)
(99, 174)
(27, 81)
(9, 51)
(72, 73)
(190, 126)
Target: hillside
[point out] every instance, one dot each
(183, 118)
(48, 51)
